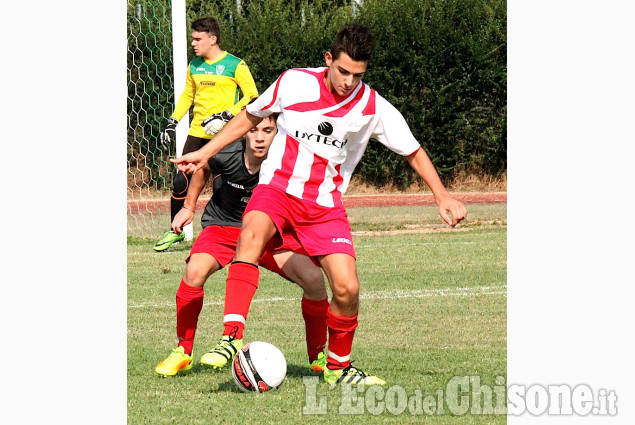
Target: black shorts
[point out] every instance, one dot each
(193, 143)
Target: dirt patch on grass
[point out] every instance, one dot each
(356, 201)
(410, 231)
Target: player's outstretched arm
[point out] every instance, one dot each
(234, 130)
(448, 206)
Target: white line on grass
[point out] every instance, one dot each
(405, 244)
(416, 244)
(380, 295)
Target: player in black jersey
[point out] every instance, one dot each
(236, 171)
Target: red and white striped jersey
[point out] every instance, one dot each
(322, 136)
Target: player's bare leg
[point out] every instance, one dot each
(199, 268)
(256, 231)
(302, 271)
(341, 271)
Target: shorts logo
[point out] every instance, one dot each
(342, 240)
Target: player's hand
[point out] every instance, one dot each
(182, 219)
(168, 135)
(190, 162)
(216, 122)
(452, 211)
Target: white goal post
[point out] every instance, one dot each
(179, 48)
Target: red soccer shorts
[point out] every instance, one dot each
(220, 242)
(320, 230)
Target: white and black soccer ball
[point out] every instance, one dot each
(259, 367)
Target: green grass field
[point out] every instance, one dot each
(433, 307)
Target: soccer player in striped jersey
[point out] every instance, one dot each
(327, 116)
(213, 84)
(236, 168)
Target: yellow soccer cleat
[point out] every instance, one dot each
(350, 375)
(176, 362)
(167, 240)
(222, 352)
(319, 364)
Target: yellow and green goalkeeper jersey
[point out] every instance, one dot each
(215, 86)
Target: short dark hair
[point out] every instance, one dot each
(356, 41)
(208, 25)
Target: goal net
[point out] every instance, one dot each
(151, 87)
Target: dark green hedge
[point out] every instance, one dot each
(443, 64)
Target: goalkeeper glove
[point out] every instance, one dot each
(168, 135)
(217, 121)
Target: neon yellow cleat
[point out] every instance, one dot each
(176, 362)
(170, 237)
(222, 352)
(319, 364)
(350, 375)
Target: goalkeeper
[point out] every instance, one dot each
(214, 81)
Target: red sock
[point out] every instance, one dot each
(242, 282)
(341, 332)
(189, 301)
(314, 313)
